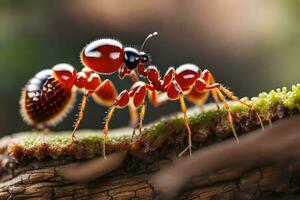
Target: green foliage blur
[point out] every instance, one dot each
(249, 46)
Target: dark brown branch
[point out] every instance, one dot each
(47, 172)
(278, 144)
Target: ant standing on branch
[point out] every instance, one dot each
(186, 81)
(48, 97)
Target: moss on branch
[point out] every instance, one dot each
(208, 126)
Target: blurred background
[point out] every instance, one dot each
(250, 46)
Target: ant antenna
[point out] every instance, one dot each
(147, 38)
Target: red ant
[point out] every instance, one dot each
(186, 81)
(48, 97)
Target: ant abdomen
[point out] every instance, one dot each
(45, 100)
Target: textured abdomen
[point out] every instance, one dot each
(45, 101)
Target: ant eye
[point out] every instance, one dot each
(144, 58)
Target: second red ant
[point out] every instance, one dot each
(49, 95)
(186, 81)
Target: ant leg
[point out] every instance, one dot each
(174, 92)
(215, 96)
(230, 95)
(230, 120)
(133, 132)
(133, 118)
(121, 102)
(138, 100)
(107, 119)
(157, 99)
(186, 121)
(142, 116)
(80, 115)
(139, 125)
(132, 110)
(214, 93)
(133, 115)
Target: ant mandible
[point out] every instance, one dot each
(186, 81)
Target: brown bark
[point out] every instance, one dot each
(262, 177)
(245, 183)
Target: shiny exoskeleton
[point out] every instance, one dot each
(185, 81)
(107, 56)
(49, 95)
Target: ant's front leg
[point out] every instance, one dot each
(121, 102)
(174, 92)
(137, 93)
(139, 123)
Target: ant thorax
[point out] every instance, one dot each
(103, 56)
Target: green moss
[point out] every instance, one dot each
(265, 103)
(205, 119)
(57, 139)
(292, 100)
(153, 131)
(177, 123)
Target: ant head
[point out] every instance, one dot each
(134, 57)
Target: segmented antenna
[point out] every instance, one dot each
(147, 38)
